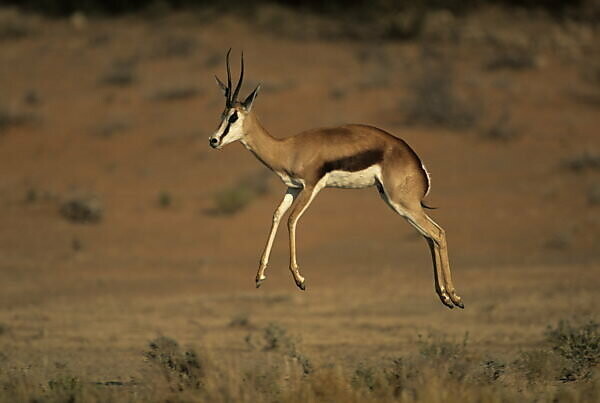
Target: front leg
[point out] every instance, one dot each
(304, 199)
(285, 204)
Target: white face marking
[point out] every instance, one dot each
(234, 130)
(353, 180)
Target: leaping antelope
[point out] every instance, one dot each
(352, 156)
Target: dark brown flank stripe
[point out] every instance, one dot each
(352, 163)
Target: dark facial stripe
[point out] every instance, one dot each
(231, 120)
(352, 163)
(225, 132)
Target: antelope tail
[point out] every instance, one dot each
(427, 207)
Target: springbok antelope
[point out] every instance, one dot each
(352, 156)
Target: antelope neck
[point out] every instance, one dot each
(259, 142)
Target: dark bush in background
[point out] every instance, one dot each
(582, 9)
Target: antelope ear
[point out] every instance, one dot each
(250, 98)
(222, 86)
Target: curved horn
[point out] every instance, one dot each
(239, 84)
(229, 100)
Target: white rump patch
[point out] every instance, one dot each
(428, 175)
(353, 180)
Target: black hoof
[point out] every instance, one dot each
(259, 282)
(302, 285)
(456, 300)
(447, 302)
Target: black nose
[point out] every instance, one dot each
(213, 142)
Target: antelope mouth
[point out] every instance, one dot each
(214, 143)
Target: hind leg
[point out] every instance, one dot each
(435, 236)
(443, 251)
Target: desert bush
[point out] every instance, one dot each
(240, 320)
(238, 196)
(432, 99)
(491, 370)
(31, 98)
(265, 380)
(176, 93)
(173, 46)
(231, 200)
(367, 377)
(109, 129)
(65, 388)
(14, 118)
(121, 73)
(275, 338)
(590, 72)
(454, 357)
(82, 209)
(587, 160)
(593, 194)
(538, 365)
(439, 348)
(559, 241)
(31, 195)
(579, 344)
(376, 67)
(513, 58)
(181, 369)
(164, 200)
(584, 95)
(501, 129)
(13, 25)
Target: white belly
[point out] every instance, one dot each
(353, 180)
(289, 181)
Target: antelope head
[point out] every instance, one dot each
(232, 126)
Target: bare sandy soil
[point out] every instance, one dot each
(122, 110)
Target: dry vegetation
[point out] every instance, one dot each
(562, 368)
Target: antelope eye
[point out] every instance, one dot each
(233, 117)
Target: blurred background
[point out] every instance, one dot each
(118, 223)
